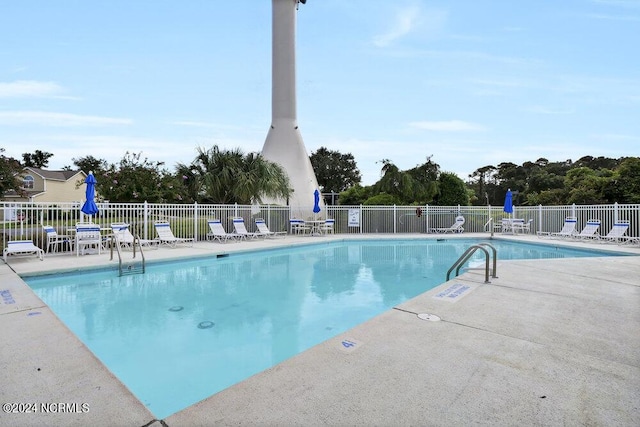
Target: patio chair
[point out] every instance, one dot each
(590, 231)
(504, 226)
(166, 236)
(456, 227)
(217, 231)
(519, 225)
(568, 229)
(298, 226)
(22, 248)
(263, 229)
(126, 239)
(617, 232)
(240, 230)
(55, 240)
(327, 227)
(87, 236)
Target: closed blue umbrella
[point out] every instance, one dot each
(90, 207)
(508, 202)
(316, 201)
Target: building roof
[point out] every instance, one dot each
(47, 175)
(59, 175)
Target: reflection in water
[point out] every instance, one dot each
(244, 313)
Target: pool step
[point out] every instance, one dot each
(128, 268)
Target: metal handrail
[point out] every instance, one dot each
(490, 224)
(495, 258)
(116, 243)
(137, 238)
(468, 253)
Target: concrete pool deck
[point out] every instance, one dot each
(548, 342)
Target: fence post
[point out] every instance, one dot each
(615, 213)
(426, 212)
(195, 221)
(145, 215)
(490, 220)
(540, 218)
(395, 229)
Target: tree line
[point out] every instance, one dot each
(231, 176)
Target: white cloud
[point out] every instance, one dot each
(447, 126)
(404, 22)
(194, 124)
(29, 89)
(546, 110)
(626, 18)
(615, 137)
(620, 3)
(112, 148)
(43, 118)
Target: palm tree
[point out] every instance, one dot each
(230, 176)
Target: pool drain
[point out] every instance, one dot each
(176, 308)
(205, 325)
(430, 317)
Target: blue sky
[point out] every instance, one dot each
(469, 82)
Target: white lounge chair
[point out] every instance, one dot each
(55, 240)
(456, 227)
(240, 230)
(22, 248)
(590, 231)
(126, 239)
(87, 236)
(263, 229)
(617, 232)
(217, 231)
(166, 236)
(568, 229)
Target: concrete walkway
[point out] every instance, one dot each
(549, 342)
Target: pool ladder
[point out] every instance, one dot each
(132, 267)
(469, 252)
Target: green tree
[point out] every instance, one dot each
(89, 164)
(39, 159)
(624, 186)
(425, 182)
(483, 184)
(230, 176)
(596, 163)
(586, 186)
(355, 195)
(511, 176)
(136, 179)
(334, 171)
(382, 199)
(394, 182)
(9, 169)
(452, 190)
(551, 197)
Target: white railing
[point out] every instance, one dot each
(25, 220)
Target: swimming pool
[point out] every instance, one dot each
(186, 330)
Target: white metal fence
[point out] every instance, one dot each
(25, 220)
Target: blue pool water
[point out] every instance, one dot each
(186, 330)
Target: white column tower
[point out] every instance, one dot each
(284, 143)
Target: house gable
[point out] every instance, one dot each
(50, 186)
